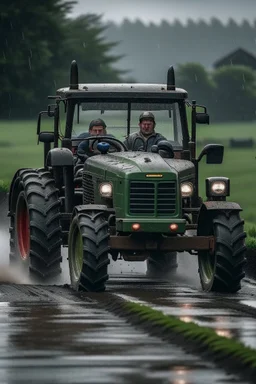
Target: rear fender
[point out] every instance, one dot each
(209, 209)
(13, 191)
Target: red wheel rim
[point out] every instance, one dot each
(23, 228)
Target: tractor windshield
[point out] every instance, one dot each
(123, 118)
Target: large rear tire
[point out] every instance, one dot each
(35, 232)
(88, 251)
(223, 270)
(161, 265)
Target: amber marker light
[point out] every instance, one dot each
(173, 227)
(136, 226)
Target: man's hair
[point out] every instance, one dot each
(97, 123)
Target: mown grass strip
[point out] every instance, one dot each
(4, 187)
(229, 353)
(191, 331)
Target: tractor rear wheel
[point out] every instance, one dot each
(88, 251)
(161, 265)
(223, 269)
(35, 232)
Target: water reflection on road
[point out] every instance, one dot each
(77, 342)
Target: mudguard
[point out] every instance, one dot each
(212, 207)
(59, 157)
(14, 183)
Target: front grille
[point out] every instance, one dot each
(166, 198)
(88, 189)
(143, 196)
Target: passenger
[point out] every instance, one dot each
(146, 137)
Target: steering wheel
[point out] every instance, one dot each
(117, 144)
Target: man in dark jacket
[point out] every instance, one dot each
(97, 127)
(146, 137)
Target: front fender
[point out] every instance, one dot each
(209, 209)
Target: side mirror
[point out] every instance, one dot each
(46, 137)
(202, 118)
(214, 153)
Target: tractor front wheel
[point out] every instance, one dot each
(88, 251)
(223, 269)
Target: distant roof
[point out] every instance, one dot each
(238, 57)
(125, 91)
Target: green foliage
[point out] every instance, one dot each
(250, 242)
(228, 92)
(3, 186)
(29, 52)
(250, 229)
(235, 94)
(194, 78)
(36, 60)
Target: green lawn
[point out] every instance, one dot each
(19, 149)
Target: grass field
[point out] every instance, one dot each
(18, 148)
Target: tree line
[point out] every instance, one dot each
(229, 92)
(150, 49)
(38, 41)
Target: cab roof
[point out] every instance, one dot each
(123, 91)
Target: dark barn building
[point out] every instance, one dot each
(238, 57)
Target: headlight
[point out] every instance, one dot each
(186, 189)
(106, 189)
(217, 186)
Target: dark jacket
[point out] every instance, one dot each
(136, 141)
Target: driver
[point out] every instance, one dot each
(146, 137)
(97, 127)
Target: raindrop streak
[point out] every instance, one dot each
(196, 79)
(29, 63)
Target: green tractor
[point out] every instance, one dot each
(135, 205)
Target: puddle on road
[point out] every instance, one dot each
(81, 343)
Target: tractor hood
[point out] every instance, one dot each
(123, 164)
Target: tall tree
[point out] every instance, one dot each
(196, 80)
(38, 41)
(30, 36)
(235, 95)
(85, 42)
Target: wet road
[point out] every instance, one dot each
(48, 334)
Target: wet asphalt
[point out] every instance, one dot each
(49, 334)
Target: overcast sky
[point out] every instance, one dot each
(156, 10)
